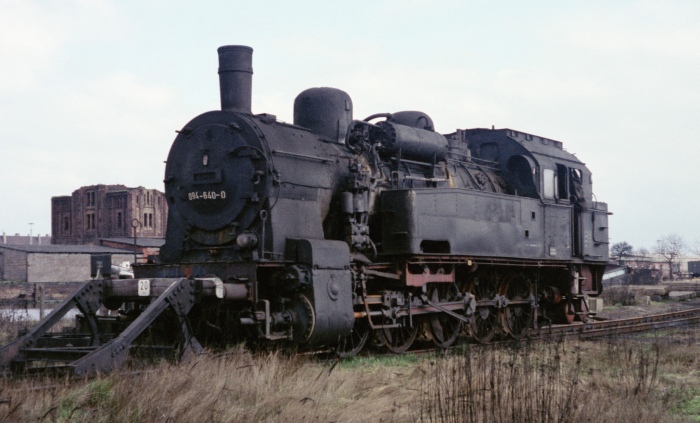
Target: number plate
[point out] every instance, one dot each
(144, 287)
(206, 195)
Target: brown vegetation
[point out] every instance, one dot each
(54, 291)
(646, 378)
(651, 377)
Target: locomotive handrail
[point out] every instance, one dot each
(477, 161)
(301, 156)
(378, 115)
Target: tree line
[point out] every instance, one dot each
(671, 247)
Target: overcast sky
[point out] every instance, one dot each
(92, 91)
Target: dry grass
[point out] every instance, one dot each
(644, 379)
(555, 382)
(53, 291)
(10, 326)
(237, 386)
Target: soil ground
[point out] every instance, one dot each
(611, 312)
(620, 301)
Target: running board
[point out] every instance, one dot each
(99, 351)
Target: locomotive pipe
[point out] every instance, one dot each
(214, 287)
(133, 289)
(236, 78)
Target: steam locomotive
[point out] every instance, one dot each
(331, 231)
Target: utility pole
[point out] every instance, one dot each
(135, 224)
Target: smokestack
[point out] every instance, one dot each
(236, 78)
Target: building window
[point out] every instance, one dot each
(119, 220)
(90, 221)
(147, 220)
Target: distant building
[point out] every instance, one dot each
(640, 270)
(107, 211)
(18, 239)
(57, 263)
(145, 247)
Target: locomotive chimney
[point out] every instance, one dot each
(235, 78)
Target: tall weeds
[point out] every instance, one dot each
(553, 382)
(636, 379)
(517, 384)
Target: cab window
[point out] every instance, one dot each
(562, 182)
(550, 182)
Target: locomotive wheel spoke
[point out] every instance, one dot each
(485, 320)
(484, 289)
(352, 344)
(443, 329)
(484, 324)
(398, 340)
(517, 320)
(517, 317)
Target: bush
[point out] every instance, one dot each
(620, 294)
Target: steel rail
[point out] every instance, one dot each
(590, 330)
(619, 326)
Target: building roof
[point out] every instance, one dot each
(140, 242)
(65, 249)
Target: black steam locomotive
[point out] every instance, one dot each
(379, 224)
(330, 231)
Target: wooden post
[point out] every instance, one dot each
(41, 301)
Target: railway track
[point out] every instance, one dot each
(579, 330)
(619, 326)
(605, 328)
(595, 329)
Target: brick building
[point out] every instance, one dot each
(107, 211)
